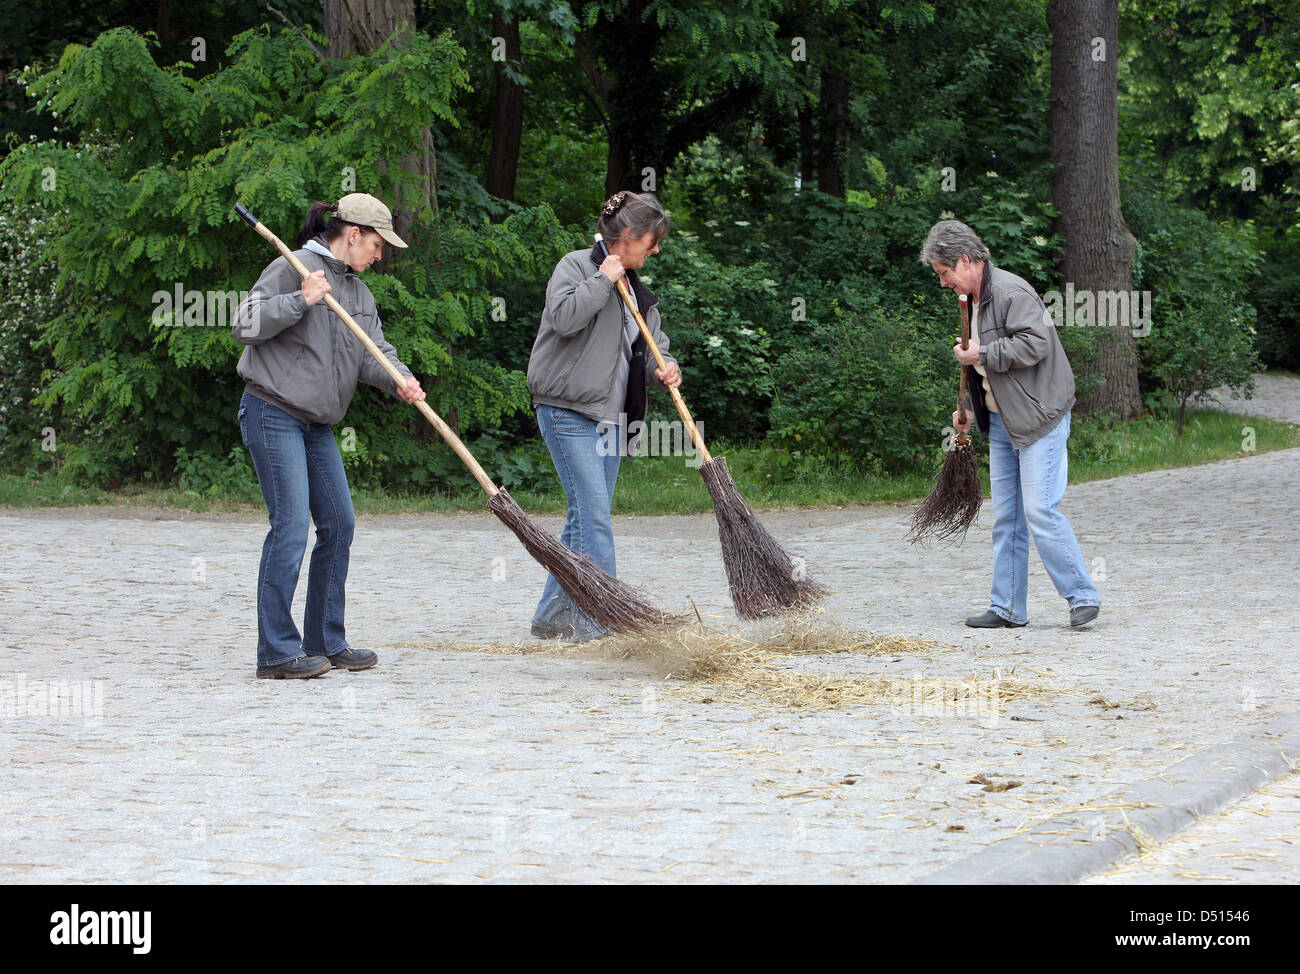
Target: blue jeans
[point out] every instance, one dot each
(588, 479)
(301, 473)
(1028, 485)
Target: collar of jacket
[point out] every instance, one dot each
(318, 246)
(986, 287)
(645, 300)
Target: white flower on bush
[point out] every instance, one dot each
(714, 341)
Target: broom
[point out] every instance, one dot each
(950, 510)
(601, 597)
(763, 579)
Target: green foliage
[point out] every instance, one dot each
(1200, 344)
(144, 204)
(1275, 291)
(713, 315)
(874, 389)
(203, 475)
(27, 283)
(1197, 270)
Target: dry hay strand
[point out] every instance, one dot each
(951, 508)
(1146, 843)
(740, 667)
(762, 578)
(601, 597)
(806, 634)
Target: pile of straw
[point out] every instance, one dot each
(740, 667)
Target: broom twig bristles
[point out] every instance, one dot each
(953, 505)
(763, 579)
(598, 595)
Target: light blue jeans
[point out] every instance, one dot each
(1028, 485)
(588, 479)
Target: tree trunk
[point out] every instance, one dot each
(507, 127)
(832, 132)
(164, 25)
(807, 157)
(360, 27)
(1098, 250)
(638, 115)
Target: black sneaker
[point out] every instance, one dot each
(991, 620)
(543, 631)
(1081, 615)
(354, 659)
(302, 668)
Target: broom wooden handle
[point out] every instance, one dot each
(965, 340)
(626, 293)
(443, 429)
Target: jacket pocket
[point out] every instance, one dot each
(1035, 407)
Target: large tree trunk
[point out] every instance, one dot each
(1099, 250)
(832, 132)
(507, 127)
(638, 114)
(632, 94)
(360, 27)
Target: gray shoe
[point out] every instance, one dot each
(1081, 615)
(542, 631)
(302, 668)
(991, 620)
(354, 659)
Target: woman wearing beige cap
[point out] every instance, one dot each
(300, 366)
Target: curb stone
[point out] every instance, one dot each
(1155, 808)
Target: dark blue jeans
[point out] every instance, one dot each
(301, 473)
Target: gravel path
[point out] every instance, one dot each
(164, 760)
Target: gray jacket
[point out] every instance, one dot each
(580, 341)
(1027, 370)
(304, 359)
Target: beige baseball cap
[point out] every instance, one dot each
(365, 210)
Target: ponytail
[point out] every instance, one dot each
(321, 218)
(317, 222)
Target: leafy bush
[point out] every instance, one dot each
(874, 389)
(145, 205)
(27, 283)
(1197, 271)
(1201, 344)
(714, 315)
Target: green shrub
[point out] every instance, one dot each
(142, 203)
(875, 389)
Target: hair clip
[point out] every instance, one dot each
(614, 203)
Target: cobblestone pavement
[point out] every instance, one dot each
(1275, 397)
(1257, 840)
(164, 760)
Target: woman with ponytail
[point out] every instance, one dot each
(588, 375)
(300, 367)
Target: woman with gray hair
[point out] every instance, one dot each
(588, 375)
(1020, 396)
